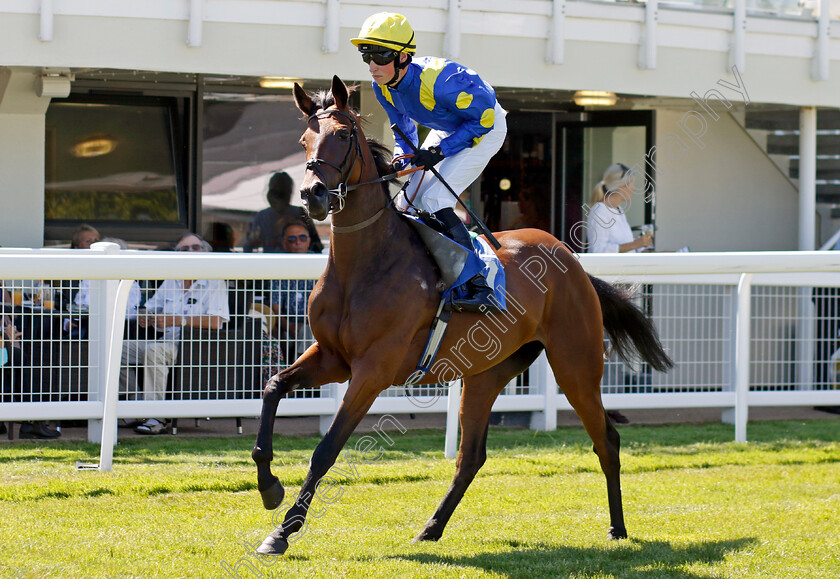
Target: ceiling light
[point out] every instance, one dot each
(95, 145)
(595, 98)
(279, 82)
(504, 184)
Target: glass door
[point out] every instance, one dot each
(588, 143)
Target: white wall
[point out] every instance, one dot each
(22, 116)
(505, 41)
(726, 196)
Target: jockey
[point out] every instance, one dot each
(467, 125)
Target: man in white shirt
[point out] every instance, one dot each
(177, 304)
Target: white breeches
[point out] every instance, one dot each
(459, 170)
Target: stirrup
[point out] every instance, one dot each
(478, 298)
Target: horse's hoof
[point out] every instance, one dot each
(424, 536)
(273, 546)
(615, 534)
(272, 497)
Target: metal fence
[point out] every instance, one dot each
(738, 340)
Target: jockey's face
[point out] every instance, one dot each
(383, 73)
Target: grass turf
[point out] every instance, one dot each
(696, 505)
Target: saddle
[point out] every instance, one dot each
(457, 264)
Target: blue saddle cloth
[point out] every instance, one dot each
(485, 262)
(460, 264)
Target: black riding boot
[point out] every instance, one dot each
(478, 292)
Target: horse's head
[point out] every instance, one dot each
(332, 145)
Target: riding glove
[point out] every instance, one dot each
(427, 158)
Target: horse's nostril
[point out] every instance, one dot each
(315, 191)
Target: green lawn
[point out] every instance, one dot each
(696, 505)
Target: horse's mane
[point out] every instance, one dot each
(323, 99)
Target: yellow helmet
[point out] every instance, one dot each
(388, 30)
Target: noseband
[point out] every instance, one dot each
(345, 167)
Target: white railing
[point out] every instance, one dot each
(702, 304)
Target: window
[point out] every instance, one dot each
(116, 162)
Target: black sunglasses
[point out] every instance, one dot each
(301, 238)
(381, 58)
(624, 169)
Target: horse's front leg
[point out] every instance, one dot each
(314, 368)
(360, 396)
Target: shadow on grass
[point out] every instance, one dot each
(633, 558)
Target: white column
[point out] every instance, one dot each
(114, 340)
(453, 408)
(331, 27)
(542, 376)
(47, 18)
(739, 31)
(807, 177)
(195, 27)
(22, 129)
(556, 33)
(822, 53)
(103, 294)
(742, 357)
(452, 41)
(647, 49)
(337, 392)
(807, 232)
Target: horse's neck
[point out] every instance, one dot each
(377, 244)
(373, 247)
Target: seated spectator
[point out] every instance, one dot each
(77, 327)
(220, 236)
(177, 304)
(16, 367)
(289, 297)
(84, 236)
(269, 222)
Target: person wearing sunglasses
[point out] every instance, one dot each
(296, 238)
(290, 297)
(606, 224)
(467, 125)
(176, 306)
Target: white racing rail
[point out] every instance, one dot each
(719, 364)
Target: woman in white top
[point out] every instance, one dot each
(607, 228)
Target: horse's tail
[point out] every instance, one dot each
(627, 327)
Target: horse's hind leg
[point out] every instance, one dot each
(477, 399)
(578, 365)
(314, 368)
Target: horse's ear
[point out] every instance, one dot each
(303, 101)
(339, 91)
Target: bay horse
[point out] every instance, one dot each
(372, 309)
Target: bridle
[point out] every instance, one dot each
(345, 169)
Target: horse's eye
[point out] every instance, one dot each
(343, 134)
